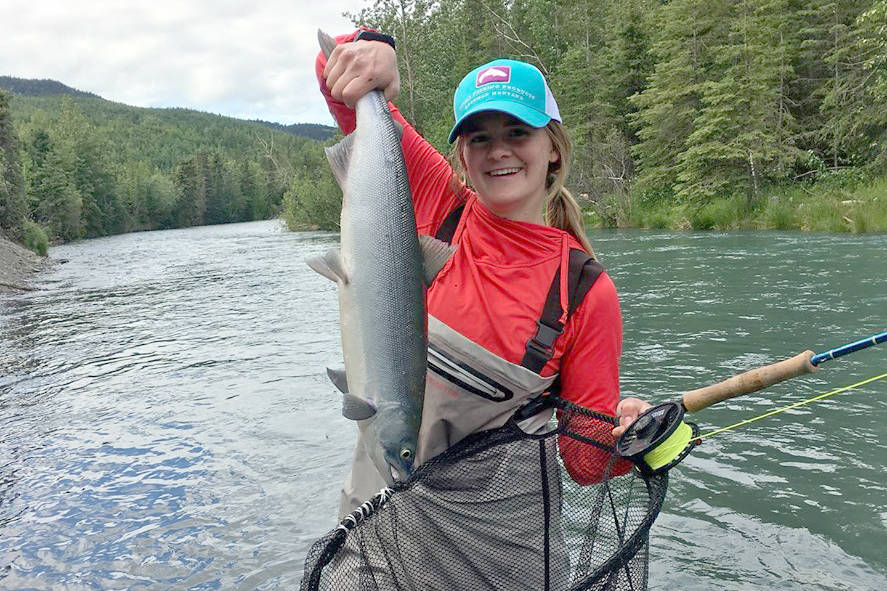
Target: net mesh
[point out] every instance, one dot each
(503, 510)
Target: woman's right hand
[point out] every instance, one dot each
(354, 69)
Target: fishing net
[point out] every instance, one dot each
(502, 510)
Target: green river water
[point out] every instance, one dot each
(166, 420)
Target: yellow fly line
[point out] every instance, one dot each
(791, 406)
(667, 451)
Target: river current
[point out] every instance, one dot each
(166, 421)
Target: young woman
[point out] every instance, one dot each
(515, 226)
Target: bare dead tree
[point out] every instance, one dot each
(506, 30)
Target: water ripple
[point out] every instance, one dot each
(167, 422)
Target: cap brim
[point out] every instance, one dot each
(531, 117)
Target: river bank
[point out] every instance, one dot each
(17, 266)
(830, 206)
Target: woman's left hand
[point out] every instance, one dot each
(627, 411)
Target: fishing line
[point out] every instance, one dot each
(659, 439)
(666, 452)
(791, 406)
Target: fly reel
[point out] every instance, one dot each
(658, 439)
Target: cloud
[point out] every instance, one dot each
(252, 61)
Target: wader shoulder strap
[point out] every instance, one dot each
(583, 272)
(447, 228)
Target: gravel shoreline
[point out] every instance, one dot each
(17, 266)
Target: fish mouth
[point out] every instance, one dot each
(395, 474)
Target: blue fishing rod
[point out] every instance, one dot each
(848, 348)
(660, 438)
(762, 377)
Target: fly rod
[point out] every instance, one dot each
(659, 438)
(762, 377)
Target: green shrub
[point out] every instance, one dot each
(725, 213)
(35, 238)
(780, 213)
(822, 215)
(866, 210)
(843, 201)
(663, 217)
(312, 202)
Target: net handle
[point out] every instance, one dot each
(750, 381)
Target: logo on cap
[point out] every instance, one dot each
(493, 74)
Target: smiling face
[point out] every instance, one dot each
(507, 162)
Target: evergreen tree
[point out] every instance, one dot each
(13, 204)
(216, 196)
(249, 189)
(627, 57)
(742, 130)
(833, 36)
(873, 43)
(687, 33)
(854, 103)
(92, 173)
(56, 203)
(160, 200)
(191, 191)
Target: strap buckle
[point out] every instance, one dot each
(534, 406)
(544, 339)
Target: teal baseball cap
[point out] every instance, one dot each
(509, 86)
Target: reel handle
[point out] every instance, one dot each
(750, 381)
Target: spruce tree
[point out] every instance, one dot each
(742, 131)
(13, 204)
(855, 122)
(832, 35)
(687, 31)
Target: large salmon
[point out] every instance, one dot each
(380, 273)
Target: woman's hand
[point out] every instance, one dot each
(354, 69)
(627, 411)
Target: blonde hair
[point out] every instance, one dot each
(562, 210)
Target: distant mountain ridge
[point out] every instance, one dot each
(42, 87)
(47, 87)
(314, 131)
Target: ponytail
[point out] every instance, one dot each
(563, 210)
(564, 213)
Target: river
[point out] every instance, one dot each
(167, 423)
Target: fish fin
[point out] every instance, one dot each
(327, 43)
(339, 155)
(356, 408)
(329, 265)
(337, 377)
(435, 254)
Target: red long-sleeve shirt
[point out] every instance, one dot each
(493, 288)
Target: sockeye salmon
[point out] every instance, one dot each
(381, 274)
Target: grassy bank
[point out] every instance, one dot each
(831, 205)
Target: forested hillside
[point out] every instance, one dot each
(683, 113)
(676, 105)
(77, 166)
(44, 87)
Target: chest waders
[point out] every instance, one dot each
(469, 389)
(487, 507)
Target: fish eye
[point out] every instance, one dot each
(406, 453)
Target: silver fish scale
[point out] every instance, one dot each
(379, 236)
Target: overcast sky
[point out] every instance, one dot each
(240, 58)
